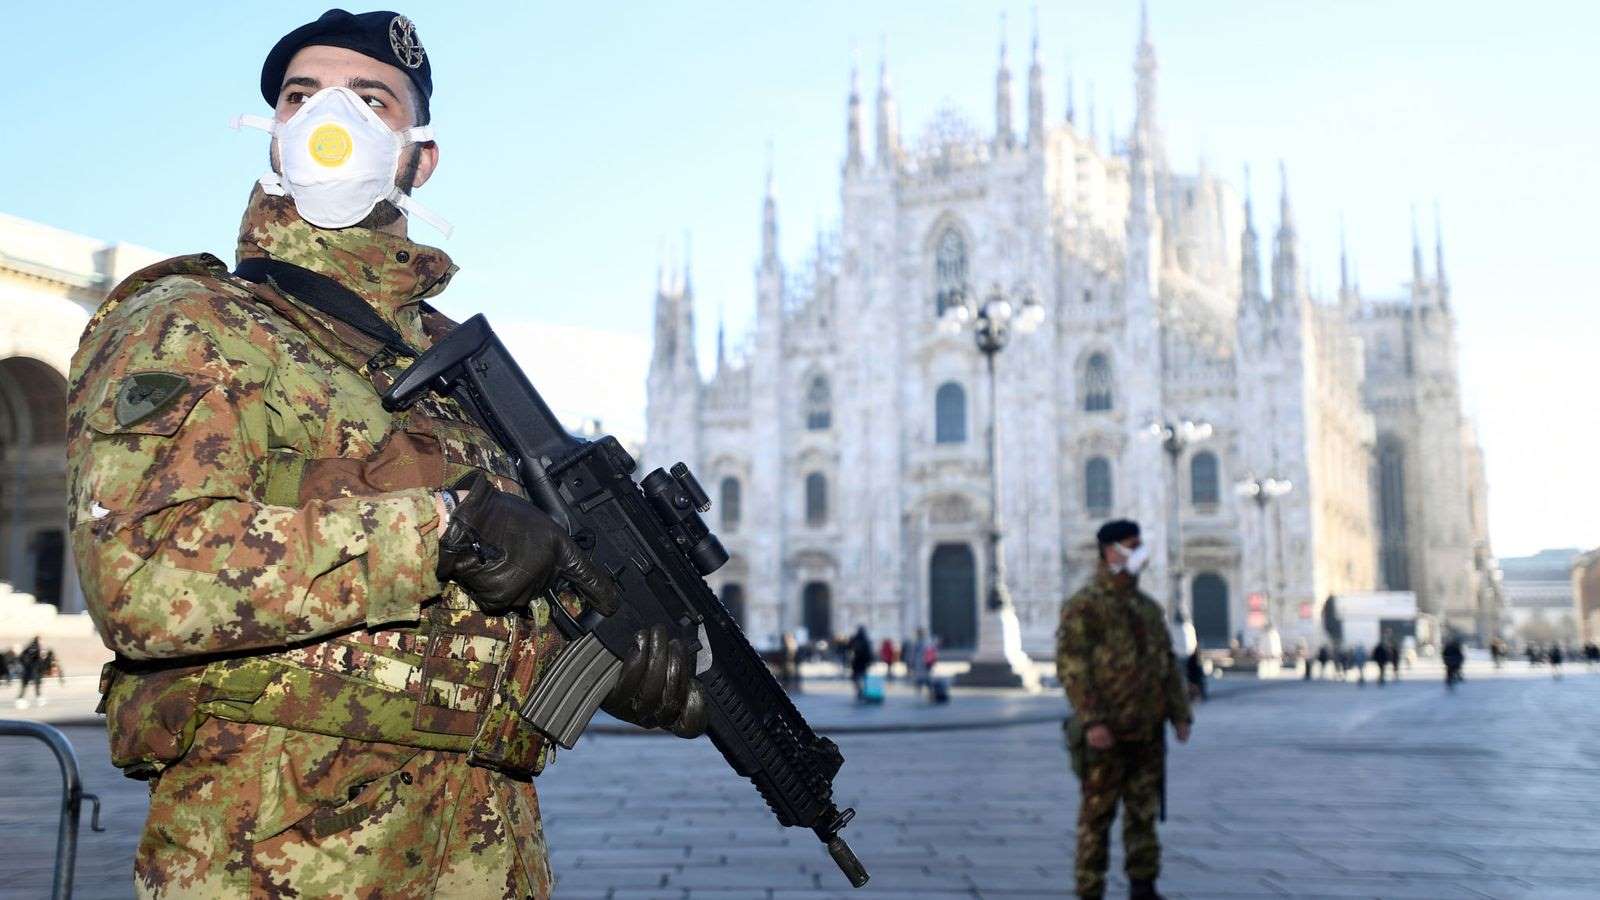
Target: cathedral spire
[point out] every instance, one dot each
(769, 220)
(1250, 250)
(1035, 90)
(1004, 136)
(1072, 112)
(1347, 294)
(1146, 132)
(853, 155)
(1094, 126)
(888, 115)
(1418, 277)
(1285, 264)
(687, 360)
(1442, 283)
(722, 352)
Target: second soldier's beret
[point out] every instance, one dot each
(385, 36)
(1116, 531)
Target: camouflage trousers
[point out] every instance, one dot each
(261, 811)
(1129, 771)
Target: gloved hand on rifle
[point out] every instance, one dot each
(506, 553)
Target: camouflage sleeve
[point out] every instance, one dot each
(1074, 666)
(178, 553)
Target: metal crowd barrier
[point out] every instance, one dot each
(72, 797)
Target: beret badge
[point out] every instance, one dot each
(403, 40)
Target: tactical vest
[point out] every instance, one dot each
(451, 682)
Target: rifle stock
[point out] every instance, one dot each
(649, 536)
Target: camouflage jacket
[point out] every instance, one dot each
(1114, 658)
(237, 494)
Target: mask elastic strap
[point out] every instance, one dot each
(406, 204)
(272, 184)
(246, 120)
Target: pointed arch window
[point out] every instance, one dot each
(816, 499)
(949, 270)
(819, 404)
(1204, 479)
(1097, 494)
(728, 499)
(1097, 386)
(950, 414)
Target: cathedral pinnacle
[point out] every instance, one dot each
(1419, 279)
(888, 115)
(1285, 262)
(1250, 250)
(1442, 283)
(1072, 113)
(1004, 137)
(853, 156)
(1035, 90)
(769, 220)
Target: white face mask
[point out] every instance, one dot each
(1133, 561)
(339, 160)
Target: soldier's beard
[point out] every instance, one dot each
(386, 213)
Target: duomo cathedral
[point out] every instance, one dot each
(845, 448)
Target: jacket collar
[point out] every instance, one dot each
(389, 272)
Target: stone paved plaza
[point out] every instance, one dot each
(1292, 789)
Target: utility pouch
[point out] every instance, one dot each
(1077, 744)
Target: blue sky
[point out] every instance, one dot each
(575, 137)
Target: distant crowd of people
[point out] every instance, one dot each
(913, 658)
(29, 665)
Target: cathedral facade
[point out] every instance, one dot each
(845, 446)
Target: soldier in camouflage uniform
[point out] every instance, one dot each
(324, 614)
(1114, 658)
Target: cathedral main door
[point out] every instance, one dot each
(1210, 611)
(953, 596)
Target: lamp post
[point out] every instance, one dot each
(1264, 491)
(1175, 438)
(999, 661)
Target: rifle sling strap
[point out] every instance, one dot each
(326, 296)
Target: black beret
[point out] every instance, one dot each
(385, 36)
(1116, 531)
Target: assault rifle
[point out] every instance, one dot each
(650, 537)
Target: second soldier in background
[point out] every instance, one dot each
(1114, 658)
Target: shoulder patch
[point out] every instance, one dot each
(144, 394)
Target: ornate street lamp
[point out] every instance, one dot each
(1176, 437)
(999, 661)
(1264, 491)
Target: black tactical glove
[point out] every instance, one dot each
(506, 552)
(657, 688)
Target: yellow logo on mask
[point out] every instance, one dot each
(330, 145)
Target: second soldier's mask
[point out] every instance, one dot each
(340, 160)
(1133, 561)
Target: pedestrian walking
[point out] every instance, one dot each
(1194, 671)
(1555, 661)
(859, 651)
(1453, 657)
(887, 655)
(1116, 663)
(1534, 657)
(1322, 661)
(1380, 656)
(1591, 655)
(30, 665)
(1358, 661)
(789, 667)
(1497, 652)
